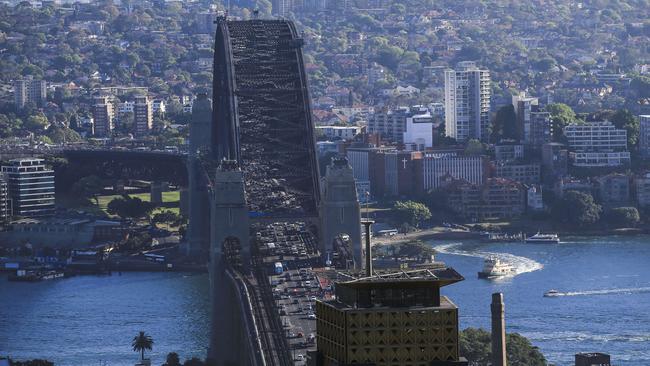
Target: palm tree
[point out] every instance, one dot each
(142, 342)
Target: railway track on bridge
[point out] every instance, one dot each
(276, 347)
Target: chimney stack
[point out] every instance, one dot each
(367, 223)
(498, 330)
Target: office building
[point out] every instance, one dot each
(467, 102)
(419, 130)
(30, 185)
(142, 115)
(104, 115)
(436, 167)
(644, 136)
(28, 90)
(390, 318)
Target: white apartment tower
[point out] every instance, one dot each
(103, 115)
(29, 90)
(142, 115)
(467, 102)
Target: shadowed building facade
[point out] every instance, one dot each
(392, 318)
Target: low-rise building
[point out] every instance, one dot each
(497, 199)
(522, 173)
(613, 190)
(509, 152)
(436, 167)
(642, 190)
(57, 232)
(555, 159)
(535, 199)
(340, 132)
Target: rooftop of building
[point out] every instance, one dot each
(442, 276)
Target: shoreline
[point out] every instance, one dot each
(435, 233)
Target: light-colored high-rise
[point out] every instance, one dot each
(142, 115)
(29, 90)
(103, 115)
(467, 102)
(30, 186)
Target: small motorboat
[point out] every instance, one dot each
(552, 293)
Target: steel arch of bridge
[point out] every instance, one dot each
(262, 115)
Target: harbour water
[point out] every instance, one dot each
(605, 288)
(89, 320)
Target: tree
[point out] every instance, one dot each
(476, 345)
(505, 124)
(623, 216)
(172, 359)
(89, 186)
(36, 123)
(474, 148)
(62, 134)
(624, 119)
(142, 342)
(129, 207)
(166, 217)
(412, 212)
(561, 115)
(577, 208)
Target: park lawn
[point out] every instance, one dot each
(168, 197)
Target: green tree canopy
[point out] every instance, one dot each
(142, 342)
(504, 125)
(129, 207)
(623, 216)
(87, 187)
(411, 212)
(577, 208)
(561, 115)
(476, 346)
(624, 119)
(36, 123)
(474, 148)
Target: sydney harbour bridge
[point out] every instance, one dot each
(251, 161)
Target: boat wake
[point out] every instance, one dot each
(633, 290)
(521, 264)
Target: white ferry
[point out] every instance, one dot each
(493, 267)
(543, 238)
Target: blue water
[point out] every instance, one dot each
(606, 283)
(91, 320)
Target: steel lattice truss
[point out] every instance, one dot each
(263, 115)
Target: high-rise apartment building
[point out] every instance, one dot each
(103, 115)
(644, 135)
(142, 115)
(467, 102)
(533, 125)
(30, 185)
(5, 201)
(29, 90)
(390, 318)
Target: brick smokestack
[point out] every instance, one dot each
(498, 331)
